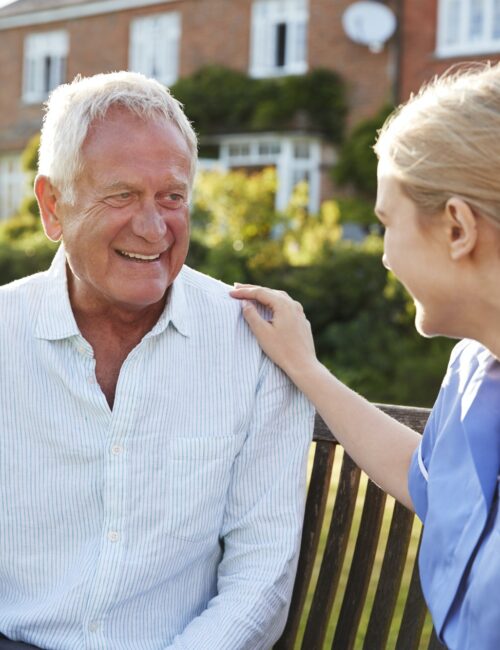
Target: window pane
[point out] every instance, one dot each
(301, 150)
(476, 21)
(298, 36)
(269, 148)
(453, 22)
(45, 60)
(496, 18)
(281, 44)
(278, 42)
(13, 185)
(154, 43)
(239, 150)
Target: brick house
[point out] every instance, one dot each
(436, 34)
(46, 42)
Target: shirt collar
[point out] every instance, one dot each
(55, 316)
(56, 319)
(176, 310)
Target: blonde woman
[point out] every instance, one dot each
(439, 201)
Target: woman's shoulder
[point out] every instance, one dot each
(467, 357)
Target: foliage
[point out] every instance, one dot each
(24, 249)
(29, 157)
(359, 211)
(220, 100)
(357, 163)
(361, 316)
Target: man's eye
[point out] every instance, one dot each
(119, 199)
(172, 200)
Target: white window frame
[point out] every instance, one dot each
(286, 164)
(462, 42)
(154, 46)
(42, 49)
(13, 184)
(267, 16)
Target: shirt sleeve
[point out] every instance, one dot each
(262, 525)
(418, 474)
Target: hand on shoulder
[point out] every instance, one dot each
(287, 337)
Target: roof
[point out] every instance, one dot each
(37, 12)
(25, 6)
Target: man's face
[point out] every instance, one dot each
(127, 235)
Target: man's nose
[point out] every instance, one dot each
(149, 223)
(385, 262)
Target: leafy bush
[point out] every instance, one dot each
(219, 100)
(357, 163)
(361, 316)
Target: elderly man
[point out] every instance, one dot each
(151, 458)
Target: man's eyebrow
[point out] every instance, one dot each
(117, 185)
(173, 183)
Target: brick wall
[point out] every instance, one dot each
(419, 62)
(213, 31)
(370, 77)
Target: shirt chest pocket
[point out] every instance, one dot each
(197, 476)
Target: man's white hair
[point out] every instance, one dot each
(72, 108)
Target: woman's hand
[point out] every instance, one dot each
(287, 338)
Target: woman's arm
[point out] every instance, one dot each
(380, 445)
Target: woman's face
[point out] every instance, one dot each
(414, 251)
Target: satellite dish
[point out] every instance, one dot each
(369, 23)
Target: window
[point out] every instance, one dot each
(279, 37)
(295, 158)
(154, 46)
(13, 185)
(468, 27)
(45, 57)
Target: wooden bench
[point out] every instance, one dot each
(332, 558)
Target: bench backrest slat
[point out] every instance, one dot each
(314, 613)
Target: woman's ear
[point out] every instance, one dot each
(47, 196)
(462, 227)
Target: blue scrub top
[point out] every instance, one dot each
(453, 482)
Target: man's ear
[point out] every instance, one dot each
(48, 196)
(462, 227)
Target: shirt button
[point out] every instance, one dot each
(113, 536)
(93, 626)
(116, 450)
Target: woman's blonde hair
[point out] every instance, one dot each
(71, 109)
(443, 141)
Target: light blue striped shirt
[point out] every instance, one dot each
(112, 523)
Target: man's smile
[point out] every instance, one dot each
(139, 257)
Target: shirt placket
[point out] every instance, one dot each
(110, 565)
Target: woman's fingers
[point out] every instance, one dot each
(287, 337)
(257, 324)
(267, 297)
